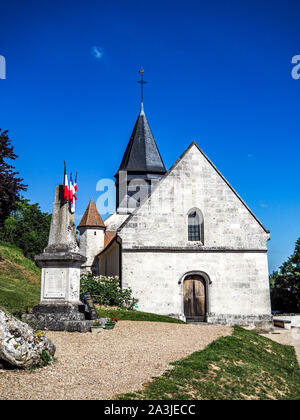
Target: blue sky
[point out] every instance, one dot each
(219, 72)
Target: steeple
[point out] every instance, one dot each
(141, 159)
(92, 234)
(91, 217)
(142, 154)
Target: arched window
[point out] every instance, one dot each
(195, 226)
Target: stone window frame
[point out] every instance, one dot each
(201, 226)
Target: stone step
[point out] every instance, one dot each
(50, 323)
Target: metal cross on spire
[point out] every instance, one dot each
(142, 82)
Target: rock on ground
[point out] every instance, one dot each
(20, 345)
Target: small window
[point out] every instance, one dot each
(95, 233)
(195, 226)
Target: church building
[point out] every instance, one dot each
(183, 240)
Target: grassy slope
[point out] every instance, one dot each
(242, 366)
(19, 280)
(20, 288)
(124, 314)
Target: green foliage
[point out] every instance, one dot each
(46, 358)
(19, 280)
(243, 366)
(130, 315)
(285, 284)
(10, 184)
(27, 228)
(107, 291)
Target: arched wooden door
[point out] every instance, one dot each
(194, 289)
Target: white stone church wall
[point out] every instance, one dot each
(194, 183)
(239, 284)
(236, 245)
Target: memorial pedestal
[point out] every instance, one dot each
(60, 308)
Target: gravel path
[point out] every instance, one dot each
(92, 366)
(289, 337)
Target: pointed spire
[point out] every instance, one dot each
(142, 153)
(141, 159)
(91, 217)
(142, 109)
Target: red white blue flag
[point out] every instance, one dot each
(75, 187)
(72, 194)
(66, 185)
(70, 190)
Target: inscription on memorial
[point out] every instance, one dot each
(55, 284)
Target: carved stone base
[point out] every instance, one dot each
(58, 317)
(60, 279)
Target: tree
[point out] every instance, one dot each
(27, 227)
(10, 184)
(285, 284)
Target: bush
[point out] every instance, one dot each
(27, 228)
(107, 291)
(285, 284)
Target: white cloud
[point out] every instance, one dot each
(97, 52)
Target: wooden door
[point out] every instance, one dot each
(194, 297)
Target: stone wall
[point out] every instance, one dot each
(113, 222)
(194, 183)
(91, 243)
(238, 282)
(157, 253)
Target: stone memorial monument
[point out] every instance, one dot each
(60, 308)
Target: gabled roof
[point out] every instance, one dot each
(91, 217)
(142, 154)
(109, 238)
(171, 169)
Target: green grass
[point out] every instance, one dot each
(238, 367)
(19, 280)
(124, 314)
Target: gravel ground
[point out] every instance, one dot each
(92, 366)
(289, 337)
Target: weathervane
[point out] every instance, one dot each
(142, 82)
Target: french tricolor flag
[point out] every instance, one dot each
(66, 184)
(72, 194)
(75, 187)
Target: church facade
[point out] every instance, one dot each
(187, 244)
